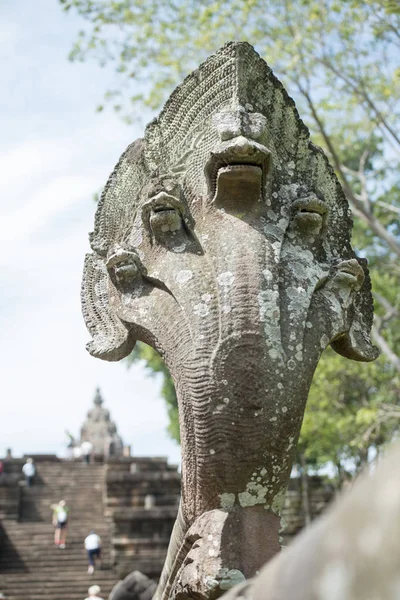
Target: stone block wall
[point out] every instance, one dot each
(10, 497)
(140, 539)
(12, 479)
(293, 512)
(141, 499)
(130, 480)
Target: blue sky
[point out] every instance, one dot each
(55, 153)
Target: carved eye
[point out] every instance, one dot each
(122, 266)
(310, 214)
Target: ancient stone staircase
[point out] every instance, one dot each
(31, 567)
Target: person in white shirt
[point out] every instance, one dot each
(29, 471)
(77, 452)
(86, 449)
(93, 549)
(93, 591)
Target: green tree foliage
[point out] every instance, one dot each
(351, 408)
(338, 59)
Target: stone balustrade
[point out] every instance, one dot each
(141, 498)
(10, 497)
(293, 513)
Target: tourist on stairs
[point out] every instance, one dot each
(93, 549)
(86, 450)
(29, 471)
(93, 591)
(60, 522)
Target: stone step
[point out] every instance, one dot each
(61, 486)
(63, 595)
(47, 548)
(56, 495)
(63, 473)
(105, 591)
(33, 494)
(45, 511)
(57, 483)
(55, 480)
(53, 578)
(84, 519)
(73, 586)
(73, 568)
(37, 527)
(55, 593)
(64, 587)
(53, 553)
(73, 533)
(31, 567)
(75, 579)
(36, 565)
(45, 555)
(47, 514)
(53, 571)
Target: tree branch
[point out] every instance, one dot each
(389, 206)
(357, 204)
(391, 311)
(384, 346)
(360, 91)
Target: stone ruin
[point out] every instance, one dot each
(222, 239)
(100, 430)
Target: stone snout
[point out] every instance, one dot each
(239, 166)
(165, 216)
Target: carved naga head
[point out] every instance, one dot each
(222, 239)
(225, 224)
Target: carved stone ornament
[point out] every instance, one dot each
(222, 239)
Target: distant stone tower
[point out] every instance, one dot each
(100, 430)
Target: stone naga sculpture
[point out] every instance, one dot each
(222, 239)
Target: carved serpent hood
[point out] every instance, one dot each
(229, 120)
(222, 239)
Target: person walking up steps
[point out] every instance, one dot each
(93, 549)
(93, 591)
(29, 471)
(60, 522)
